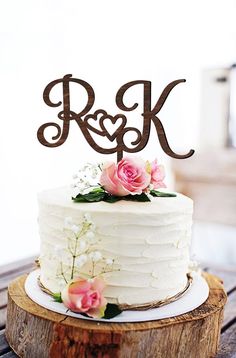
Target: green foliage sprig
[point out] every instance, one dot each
(99, 194)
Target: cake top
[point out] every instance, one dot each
(131, 186)
(62, 197)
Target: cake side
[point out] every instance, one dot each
(147, 243)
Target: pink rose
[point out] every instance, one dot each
(157, 175)
(84, 296)
(129, 176)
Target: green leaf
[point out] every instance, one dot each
(57, 297)
(111, 198)
(98, 189)
(99, 194)
(138, 197)
(111, 311)
(93, 196)
(161, 194)
(79, 199)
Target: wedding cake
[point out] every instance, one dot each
(136, 244)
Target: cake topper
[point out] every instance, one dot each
(84, 119)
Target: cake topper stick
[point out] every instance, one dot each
(85, 119)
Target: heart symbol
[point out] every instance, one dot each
(111, 132)
(96, 117)
(106, 123)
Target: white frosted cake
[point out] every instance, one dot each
(141, 249)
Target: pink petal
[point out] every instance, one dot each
(97, 312)
(106, 179)
(79, 286)
(98, 284)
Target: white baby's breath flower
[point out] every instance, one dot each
(81, 260)
(87, 177)
(95, 256)
(85, 190)
(87, 217)
(109, 262)
(75, 229)
(82, 244)
(92, 226)
(90, 235)
(90, 255)
(91, 238)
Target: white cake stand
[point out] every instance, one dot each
(196, 295)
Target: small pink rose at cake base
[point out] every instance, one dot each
(131, 176)
(85, 296)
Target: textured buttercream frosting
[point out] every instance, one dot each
(148, 241)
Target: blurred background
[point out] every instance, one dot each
(108, 44)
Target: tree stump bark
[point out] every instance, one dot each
(35, 332)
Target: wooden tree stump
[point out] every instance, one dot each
(35, 332)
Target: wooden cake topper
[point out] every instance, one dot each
(82, 118)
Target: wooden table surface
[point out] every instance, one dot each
(228, 333)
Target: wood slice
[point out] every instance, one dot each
(35, 332)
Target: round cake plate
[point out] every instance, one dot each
(196, 295)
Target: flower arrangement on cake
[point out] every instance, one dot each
(130, 179)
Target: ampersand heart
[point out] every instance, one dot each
(105, 121)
